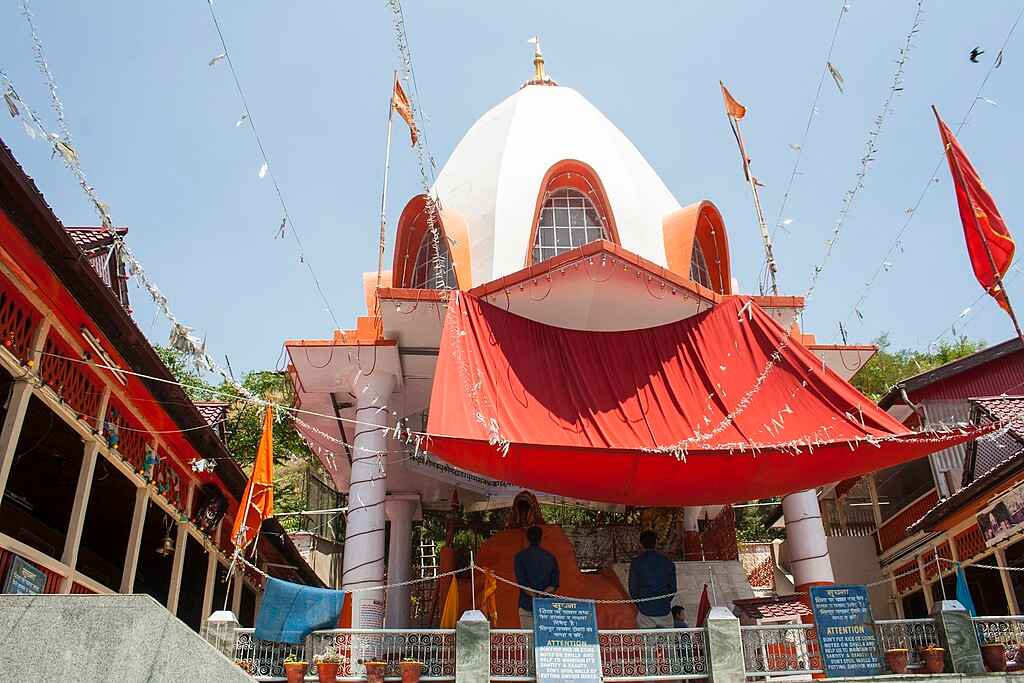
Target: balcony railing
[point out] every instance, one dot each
(908, 634)
(660, 654)
(771, 650)
(1006, 630)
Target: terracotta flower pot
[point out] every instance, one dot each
(327, 672)
(411, 672)
(934, 659)
(896, 660)
(296, 671)
(375, 672)
(994, 655)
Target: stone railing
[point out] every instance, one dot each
(780, 649)
(908, 634)
(721, 651)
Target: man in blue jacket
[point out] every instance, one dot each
(651, 574)
(537, 569)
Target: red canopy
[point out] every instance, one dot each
(720, 407)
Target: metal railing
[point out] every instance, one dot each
(434, 648)
(659, 654)
(1008, 631)
(780, 650)
(908, 634)
(512, 655)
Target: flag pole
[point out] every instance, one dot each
(384, 190)
(955, 165)
(766, 238)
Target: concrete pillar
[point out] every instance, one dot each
(131, 557)
(1004, 574)
(178, 561)
(236, 591)
(473, 648)
(82, 491)
(363, 563)
(400, 513)
(725, 647)
(957, 636)
(805, 537)
(17, 406)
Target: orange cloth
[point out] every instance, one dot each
(400, 103)
(488, 600)
(450, 613)
(732, 107)
(258, 499)
(498, 554)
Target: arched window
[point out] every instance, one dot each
(568, 220)
(424, 273)
(699, 266)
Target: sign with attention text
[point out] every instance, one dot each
(565, 641)
(24, 578)
(842, 615)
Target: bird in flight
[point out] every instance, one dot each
(975, 53)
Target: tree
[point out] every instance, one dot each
(888, 367)
(244, 427)
(753, 523)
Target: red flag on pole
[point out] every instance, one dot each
(258, 499)
(400, 103)
(703, 607)
(989, 243)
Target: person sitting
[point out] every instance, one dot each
(679, 617)
(652, 574)
(537, 569)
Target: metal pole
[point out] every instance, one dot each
(938, 568)
(472, 578)
(766, 238)
(955, 166)
(384, 190)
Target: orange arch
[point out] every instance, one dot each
(702, 222)
(579, 176)
(412, 225)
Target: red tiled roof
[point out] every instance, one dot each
(89, 238)
(777, 607)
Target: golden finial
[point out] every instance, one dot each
(538, 61)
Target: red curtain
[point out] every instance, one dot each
(583, 413)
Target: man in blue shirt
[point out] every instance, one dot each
(537, 569)
(650, 574)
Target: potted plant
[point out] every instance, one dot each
(994, 656)
(375, 671)
(327, 665)
(411, 670)
(896, 660)
(934, 658)
(244, 665)
(295, 668)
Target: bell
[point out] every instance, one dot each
(166, 548)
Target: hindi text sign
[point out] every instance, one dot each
(845, 628)
(565, 641)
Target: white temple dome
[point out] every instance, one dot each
(493, 177)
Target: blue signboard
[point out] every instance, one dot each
(845, 630)
(565, 641)
(24, 578)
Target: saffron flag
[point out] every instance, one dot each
(703, 607)
(489, 597)
(450, 611)
(258, 499)
(400, 103)
(733, 108)
(989, 243)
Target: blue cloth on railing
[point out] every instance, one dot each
(289, 612)
(963, 591)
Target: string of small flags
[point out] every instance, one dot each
(781, 222)
(896, 248)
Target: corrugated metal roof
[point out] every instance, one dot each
(948, 413)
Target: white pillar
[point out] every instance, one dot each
(236, 595)
(210, 580)
(17, 406)
(805, 535)
(400, 513)
(363, 563)
(131, 557)
(1004, 575)
(690, 517)
(178, 562)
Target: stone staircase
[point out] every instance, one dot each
(103, 638)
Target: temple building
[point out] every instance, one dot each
(97, 444)
(551, 225)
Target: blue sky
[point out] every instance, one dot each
(155, 128)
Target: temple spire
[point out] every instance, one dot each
(538, 61)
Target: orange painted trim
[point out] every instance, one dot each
(701, 222)
(579, 176)
(370, 288)
(778, 301)
(342, 338)
(407, 294)
(412, 226)
(842, 347)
